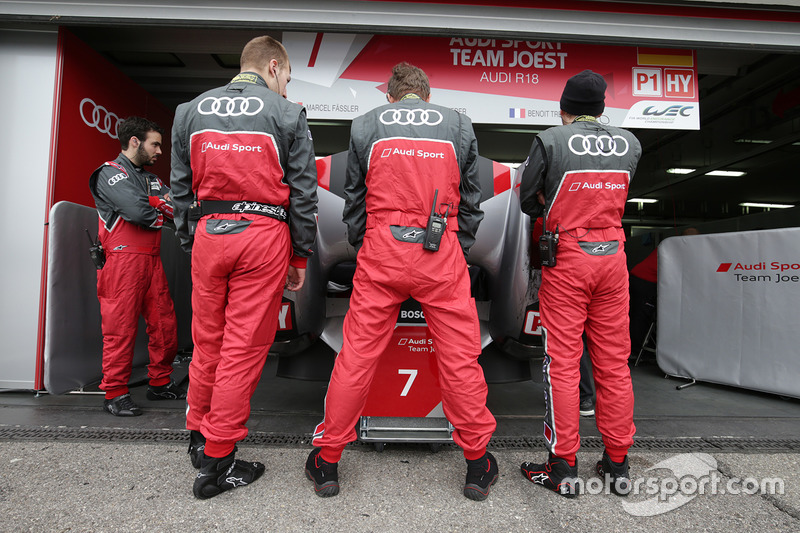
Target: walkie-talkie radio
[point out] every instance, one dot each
(437, 223)
(194, 215)
(548, 245)
(96, 252)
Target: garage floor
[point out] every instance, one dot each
(289, 409)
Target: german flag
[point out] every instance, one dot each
(665, 57)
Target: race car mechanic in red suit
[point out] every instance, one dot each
(132, 205)
(243, 172)
(400, 155)
(578, 176)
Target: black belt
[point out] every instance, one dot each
(211, 207)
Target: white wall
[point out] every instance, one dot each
(27, 84)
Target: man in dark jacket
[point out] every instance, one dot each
(132, 205)
(578, 175)
(406, 158)
(245, 187)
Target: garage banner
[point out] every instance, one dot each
(494, 81)
(94, 98)
(727, 309)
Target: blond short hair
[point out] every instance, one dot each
(260, 51)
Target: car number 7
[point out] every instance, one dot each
(412, 375)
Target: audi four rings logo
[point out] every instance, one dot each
(411, 117)
(604, 145)
(230, 107)
(116, 178)
(101, 119)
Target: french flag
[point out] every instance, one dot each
(516, 112)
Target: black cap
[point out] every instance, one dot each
(584, 94)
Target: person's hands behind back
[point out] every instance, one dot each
(295, 278)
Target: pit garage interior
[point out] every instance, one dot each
(749, 97)
(746, 151)
(749, 104)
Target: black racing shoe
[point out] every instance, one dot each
(122, 406)
(481, 475)
(555, 474)
(170, 391)
(197, 443)
(217, 475)
(616, 475)
(324, 475)
(586, 407)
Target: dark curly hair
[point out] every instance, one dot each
(135, 127)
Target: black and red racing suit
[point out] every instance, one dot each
(400, 155)
(585, 170)
(131, 207)
(245, 144)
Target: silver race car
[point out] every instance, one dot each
(504, 284)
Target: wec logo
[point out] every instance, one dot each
(671, 111)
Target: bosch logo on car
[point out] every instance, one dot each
(116, 178)
(412, 314)
(671, 111)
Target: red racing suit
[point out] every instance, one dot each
(400, 154)
(585, 171)
(131, 209)
(245, 144)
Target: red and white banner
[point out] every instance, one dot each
(496, 81)
(94, 97)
